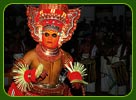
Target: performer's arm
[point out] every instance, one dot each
(76, 71)
(24, 77)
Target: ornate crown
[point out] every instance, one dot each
(52, 15)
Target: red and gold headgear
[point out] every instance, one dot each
(52, 16)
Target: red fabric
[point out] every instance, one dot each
(14, 91)
(31, 94)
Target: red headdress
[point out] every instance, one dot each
(52, 16)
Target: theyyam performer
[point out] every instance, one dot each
(38, 72)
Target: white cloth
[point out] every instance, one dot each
(94, 50)
(108, 78)
(85, 55)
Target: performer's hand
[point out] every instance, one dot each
(40, 73)
(76, 85)
(42, 76)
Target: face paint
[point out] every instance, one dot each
(50, 39)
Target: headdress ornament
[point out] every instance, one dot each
(52, 16)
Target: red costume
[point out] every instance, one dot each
(37, 73)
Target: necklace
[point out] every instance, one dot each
(48, 54)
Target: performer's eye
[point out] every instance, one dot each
(47, 34)
(54, 35)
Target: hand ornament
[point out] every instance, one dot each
(24, 76)
(76, 72)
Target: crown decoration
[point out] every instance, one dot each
(53, 15)
(50, 27)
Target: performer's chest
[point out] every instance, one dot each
(49, 66)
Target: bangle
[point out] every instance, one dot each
(33, 76)
(27, 76)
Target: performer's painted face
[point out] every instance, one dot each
(50, 39)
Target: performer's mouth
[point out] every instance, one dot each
(49, 42)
